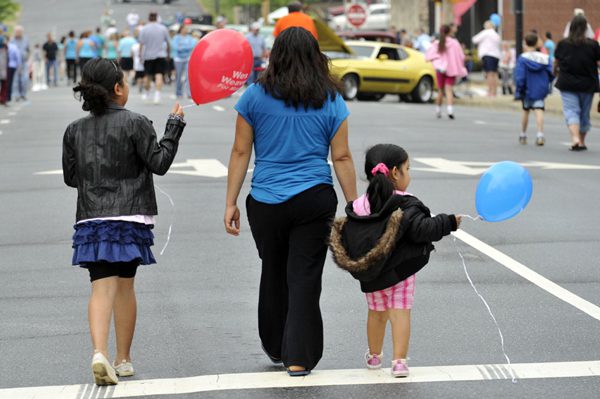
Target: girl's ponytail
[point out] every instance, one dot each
(379, 161)
(96, 88)
(379, 190)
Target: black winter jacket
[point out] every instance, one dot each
(110, 159)
(384, 248)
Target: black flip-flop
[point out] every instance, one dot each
(577, 147)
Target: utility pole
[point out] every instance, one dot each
(266, 6)
(438, 16)
(518, 4)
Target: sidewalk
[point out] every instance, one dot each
(478, 89)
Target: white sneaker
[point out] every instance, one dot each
(104, 373)
(156, 97)
(124, 369)
(144, 96)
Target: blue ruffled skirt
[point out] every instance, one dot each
(112, 241)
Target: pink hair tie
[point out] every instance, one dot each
(381, 168)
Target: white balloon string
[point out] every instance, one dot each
(476, 218)
(162, 251)
(512, 374)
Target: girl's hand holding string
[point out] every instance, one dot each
(458, 220)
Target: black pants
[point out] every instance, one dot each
(291, 239)
(72, 70)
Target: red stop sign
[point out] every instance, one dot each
(356, 14)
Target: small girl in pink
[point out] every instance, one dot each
(448, 59)
(384, 240)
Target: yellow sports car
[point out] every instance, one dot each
(370, 70)
(378, 68)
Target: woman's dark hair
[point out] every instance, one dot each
(577, 29)
(97, 84)
(380, 187)
(443, 34)
(298, 72)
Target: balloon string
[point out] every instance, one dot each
(476, 218)
(187, 106)
(162, 251)
(510, 369)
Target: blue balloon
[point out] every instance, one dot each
(496, 19)
(503, 191)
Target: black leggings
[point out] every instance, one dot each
(100, 270)
(291, 240)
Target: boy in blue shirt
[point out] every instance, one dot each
(533, 75)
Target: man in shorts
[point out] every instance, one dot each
(533, 75)
(154, 52)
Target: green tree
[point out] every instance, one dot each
(8, 10)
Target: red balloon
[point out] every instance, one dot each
(219, 65)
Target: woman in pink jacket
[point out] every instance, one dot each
(448, 59)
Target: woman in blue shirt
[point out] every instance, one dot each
(182, 45)
(86, 49)
(293, 117)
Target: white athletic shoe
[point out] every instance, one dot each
(124, 369)
(144, 95)
(104, 373)
(156, 97)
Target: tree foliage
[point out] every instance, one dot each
(8, 10)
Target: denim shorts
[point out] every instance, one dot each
(533, 104)
(576, 109)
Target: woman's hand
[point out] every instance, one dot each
(458, 220)
(177, 110)
(232, 220)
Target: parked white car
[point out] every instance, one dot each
(377, 19)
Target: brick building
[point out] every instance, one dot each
(548, 16)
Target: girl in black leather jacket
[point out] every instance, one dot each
(110, 157)
(384, 240)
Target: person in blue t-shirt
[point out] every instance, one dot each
(71, 57)
(294, 118)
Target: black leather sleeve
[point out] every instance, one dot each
(69, 162)
(424, 228)
(157, 155)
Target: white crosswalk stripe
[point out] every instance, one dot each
(243, 381)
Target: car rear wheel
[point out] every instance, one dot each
(350, 87)
(423, 92)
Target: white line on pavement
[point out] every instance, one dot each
(4, 121)
(221, 382)
(529, 274)
(218, 108)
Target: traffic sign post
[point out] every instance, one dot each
(356, 14)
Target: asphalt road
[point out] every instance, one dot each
(197, 306)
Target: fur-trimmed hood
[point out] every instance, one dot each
(379, 253)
